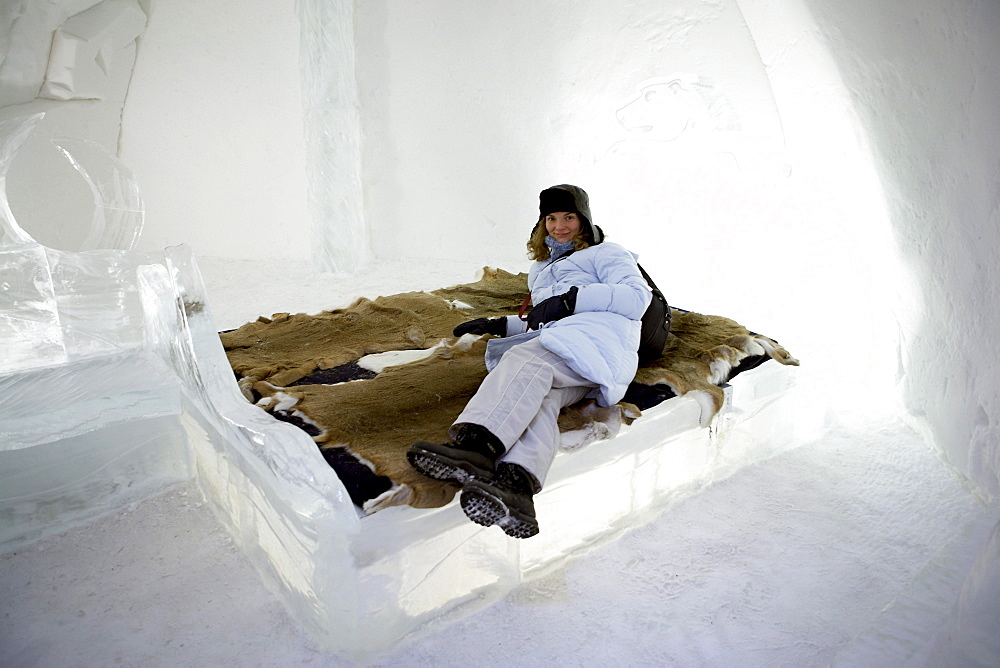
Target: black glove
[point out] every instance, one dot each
(553, 308)
(494, 326)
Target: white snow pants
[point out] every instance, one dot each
(519, 402)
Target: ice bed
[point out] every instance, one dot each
(115, 385)
(366, 380)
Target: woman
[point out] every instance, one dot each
(578, 341)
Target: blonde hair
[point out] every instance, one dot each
(537, 250)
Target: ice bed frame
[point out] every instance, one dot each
(115, 386)
(358, 585)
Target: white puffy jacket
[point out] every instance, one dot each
(599, 341)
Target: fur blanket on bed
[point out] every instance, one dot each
(288, 362)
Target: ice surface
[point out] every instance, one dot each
(57, 402)
(970, 633)
(99, 464)
(663, 108)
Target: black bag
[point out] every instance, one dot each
(655, 324)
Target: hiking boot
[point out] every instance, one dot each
(506, 501)
(472, 454)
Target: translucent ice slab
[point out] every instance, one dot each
(85, 415)
(57, 307)
(115, 383)
(119, 212)
(414, 565)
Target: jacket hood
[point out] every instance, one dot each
(564, 196)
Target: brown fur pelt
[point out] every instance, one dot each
(284, 348)
(701, 350)
(379, 418)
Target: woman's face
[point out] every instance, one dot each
(562, 226)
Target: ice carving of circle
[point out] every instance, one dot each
(119, 212)
(13, 134)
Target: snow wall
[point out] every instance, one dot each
(925, 82)
(784, 165)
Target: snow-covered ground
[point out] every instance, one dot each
(790, 561)
(785, 563)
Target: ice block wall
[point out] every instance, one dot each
(924, 83)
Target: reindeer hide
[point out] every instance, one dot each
(285, 362)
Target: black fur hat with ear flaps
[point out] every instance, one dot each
(570, 199)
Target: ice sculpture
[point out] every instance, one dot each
(84, 49)
(115, 383)
(12, 135)
(50, 300)
(688, 113)
(663, 108)
(118, 209)
(29, 323)
(87, 420)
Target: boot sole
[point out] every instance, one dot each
(442, 468)
(486, 509)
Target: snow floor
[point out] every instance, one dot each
(790, 561)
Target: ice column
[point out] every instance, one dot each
(333, 136)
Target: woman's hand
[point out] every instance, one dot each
(553, 308)
(494, 326)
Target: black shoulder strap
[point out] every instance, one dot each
(649, 280)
